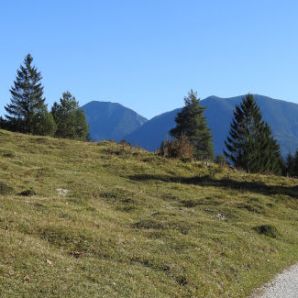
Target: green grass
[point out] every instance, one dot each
(133, 224)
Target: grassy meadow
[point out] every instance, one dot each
(82, 219)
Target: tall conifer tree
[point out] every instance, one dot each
(250, 144)
(27, 111)
(191, 123)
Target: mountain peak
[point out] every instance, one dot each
(108, 120)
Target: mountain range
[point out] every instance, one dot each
(114, 121)
(111, 121)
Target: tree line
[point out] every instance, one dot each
(27, 111)
(250, 145)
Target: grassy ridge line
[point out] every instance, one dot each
(134, 224)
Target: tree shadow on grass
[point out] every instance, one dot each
(252, 186)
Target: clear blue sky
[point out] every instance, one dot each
(147, 54)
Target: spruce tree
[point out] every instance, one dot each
(27, 100)
(71, 122)
(270, 152)
(250, 144)
(191, 123)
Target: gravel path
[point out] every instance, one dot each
(285, 285)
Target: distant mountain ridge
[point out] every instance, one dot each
(282, 116)
(111, 121)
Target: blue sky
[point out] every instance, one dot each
(147, 54)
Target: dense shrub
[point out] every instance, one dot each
(177, 148)
(267, 230)
(28, 193)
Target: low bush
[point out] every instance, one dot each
(267, 230)
(28, 193)
(177, 148)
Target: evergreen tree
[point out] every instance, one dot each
(3, 123)
(27, 100)
(270, 152)
(292, 164)
(44, 123)
(190, 122)
(250, 144)
(71, 122)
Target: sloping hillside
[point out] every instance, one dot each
(281, 115)
(111, 121)
(105, 220)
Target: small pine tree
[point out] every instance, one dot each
(292, 164)
(27, 100)
(44, 123)
(250, 144)
(191, 123)
(71, 122)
